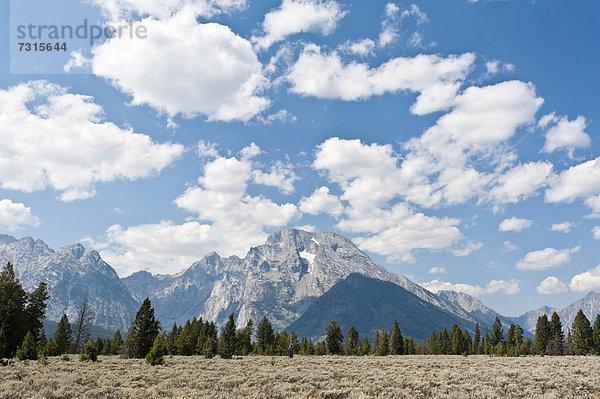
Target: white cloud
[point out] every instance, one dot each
(14, 215)
(224, 83)
(228, 220)
(514, 224)
(546, 259)
(596, 232)
(468, 249)
(124, 9)
(297, 16)
(281, 116)
(509, 246)
(564, 227)
(494, 66)
(438, 270)
(280, 175)
(586, 281)
(521, 182)
(579, 181)
(320, 201)
(507, 287)
(564, 134)
(551, 286)
(392, 20)
(326, 76)
(363, 47)
(54, 139)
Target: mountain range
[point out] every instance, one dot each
(297, 279)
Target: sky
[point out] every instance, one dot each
(454, 142)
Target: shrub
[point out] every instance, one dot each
(155, 356)
(28, 349)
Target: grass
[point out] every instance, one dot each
(307, 377)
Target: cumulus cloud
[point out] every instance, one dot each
(514, 224)
(297, 16)
(596, 232)
(546, 258)
(579, 181)
(586, 281)
(55, 139)
(225, 83)
(320, 201)
(14, 215)
(564, 227)
(521, 182)
(326, 75)
(363, 47)
(392, 20)
(551, 286)
(508, 287)
(438, 270)
(562, 133)
(227, 220)
(280, 175)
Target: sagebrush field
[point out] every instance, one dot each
(307, 377)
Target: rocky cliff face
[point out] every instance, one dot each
(74, 274)
(279, 279)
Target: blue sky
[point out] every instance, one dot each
(454, 142)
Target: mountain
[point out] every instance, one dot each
(475, 308)
(73, 274)
(279, 279)
(590, 304)
(370, 304)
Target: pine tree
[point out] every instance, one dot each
(155, 356)
(375, 343)
(384, 344)
(62, 336)
(211, 341)
(244, 339)
(42, 340)
(542, 334)
(555, 346)
(486, 344)
(228, 343)
(265, 337)
(36, 309)
(510, 341)
(334, 338)
(13, 318)
(497, 334)
(3, 350)
(28, 349)
(518, 339)
(353, 341)
(596, 335)
(116, 343)
(365, 348)
(476, 339)
(396, 340)
(143, 330)
(89, 353)
(581, 334)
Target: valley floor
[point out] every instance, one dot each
(307, 377)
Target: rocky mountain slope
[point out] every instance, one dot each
(74, 274)
(279, 279)
(371, 304)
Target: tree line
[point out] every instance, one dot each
(22, 335)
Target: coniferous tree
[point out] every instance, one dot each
(497, 334)
(486, 344)
(36, 309)
(62, 336)
(581, 334)
(353, 341)
(555, 345)
(13, 318)
(444, 338)
(365, 348)
(89, 353)
(171, 340)
(143, 331)
(476, 339)
(82, 326)
(518, 339)
(117, 343)
(211, 341)
(3, 350)
(42, 340)
(320, 348)
(396, 340)
(542, 334)
(596, 336)
(244, 339)
(155, 356)
(384, 344)
(186, 343)
(28, 349)
(510, 341)
(265, 337)
(228, 343)
(334, 338)
(375, 343)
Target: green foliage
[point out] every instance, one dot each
(581, 334)
(228, 342)
(497, 334)
(334, 338)
(20, 312)
(596, 336)
(65, 357)
(476, 339)
(542, 334)
(265, 337)
(62, 337)
(383, 349)
(396, 340)
(90, 352)
(155, 356)
(28, 349)
(352, 342)
(143, 330)
(320, 348)
(365, 348)
(244, 339)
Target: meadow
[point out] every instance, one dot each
(306, 377)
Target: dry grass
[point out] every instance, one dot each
(307, 377)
